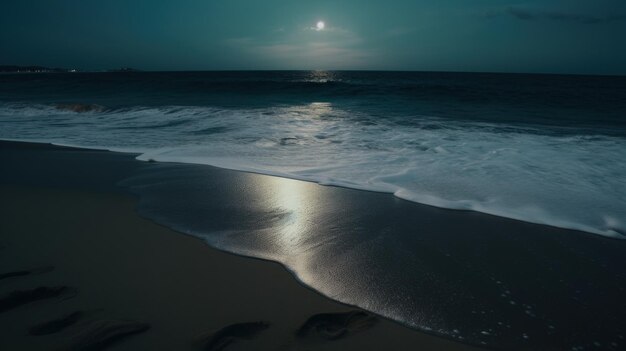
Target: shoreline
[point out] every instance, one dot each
(140, 155)
(540, 301)
(91, 240)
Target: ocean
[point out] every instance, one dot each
(545, 149)
(540, 149)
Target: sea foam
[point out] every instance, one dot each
(534, 174)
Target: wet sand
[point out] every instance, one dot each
(79, 269)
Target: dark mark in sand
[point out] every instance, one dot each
(220, 339)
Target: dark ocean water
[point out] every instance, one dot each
(568, 101)
(540, 148)
(543, 149)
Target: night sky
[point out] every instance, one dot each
(537, 36)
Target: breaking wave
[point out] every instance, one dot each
(547, 175)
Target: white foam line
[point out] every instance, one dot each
(424, 167)
(468, 205)
(404, 194)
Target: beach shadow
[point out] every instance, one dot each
(334, 326)
(22, 273)
(22, 297)
(220, 339)
(56, 325)
(100, 334)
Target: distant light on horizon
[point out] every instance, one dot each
(320, 26)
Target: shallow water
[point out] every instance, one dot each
(471, 277)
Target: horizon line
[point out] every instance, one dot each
(138, 70)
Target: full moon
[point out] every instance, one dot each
(320, 25)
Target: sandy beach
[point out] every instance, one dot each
(312, 175)
(80, 269)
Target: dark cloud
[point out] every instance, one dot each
(537, 14)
